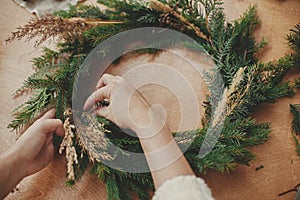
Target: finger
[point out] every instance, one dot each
(60, 131)
(99, 95)
(103, 111)
(49, 139)
(49, 114)
(51, 151)
(51, 126)
(104, 80)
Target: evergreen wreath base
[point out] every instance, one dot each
(231, 45)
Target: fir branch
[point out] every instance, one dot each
(49, 59)
(82, 165)
(297, 144)
(231, 45)
(98, 34)
(140, 190)
(44, 66)
(25, 114)
(257, 134)
(82, 11)
(281, 90)
(274, 71)
(295, 110)
(133, 13)
(39, 83)
(235, 136)
(112, 188)
(297, 83)
(121, 183)
(294, 38)
(294, 42)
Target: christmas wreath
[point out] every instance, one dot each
(231, 45)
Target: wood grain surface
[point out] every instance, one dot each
(281, 164)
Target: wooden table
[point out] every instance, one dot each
(281, 164)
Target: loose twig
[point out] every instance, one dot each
(167, 9)
(93, 22)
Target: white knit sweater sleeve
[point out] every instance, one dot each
(183, 188)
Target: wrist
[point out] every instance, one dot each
(139, 117)
(11, 172)
(148, 121)
(154, 138)
(16, 162)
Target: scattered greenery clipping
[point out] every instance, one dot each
(231, 45)
(294, 43)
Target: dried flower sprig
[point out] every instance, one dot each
(91, 136)
(52, 26)
(227, 104)
(67, 144)
(235, 95)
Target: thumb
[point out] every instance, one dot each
(49, 114)
(51, 125)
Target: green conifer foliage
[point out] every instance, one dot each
(294, 42)
(295, 110)
(231, 45)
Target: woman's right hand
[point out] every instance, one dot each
(127, 108)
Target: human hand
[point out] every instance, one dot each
(127, 108)
(35, 149)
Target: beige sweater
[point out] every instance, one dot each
(183, 188)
